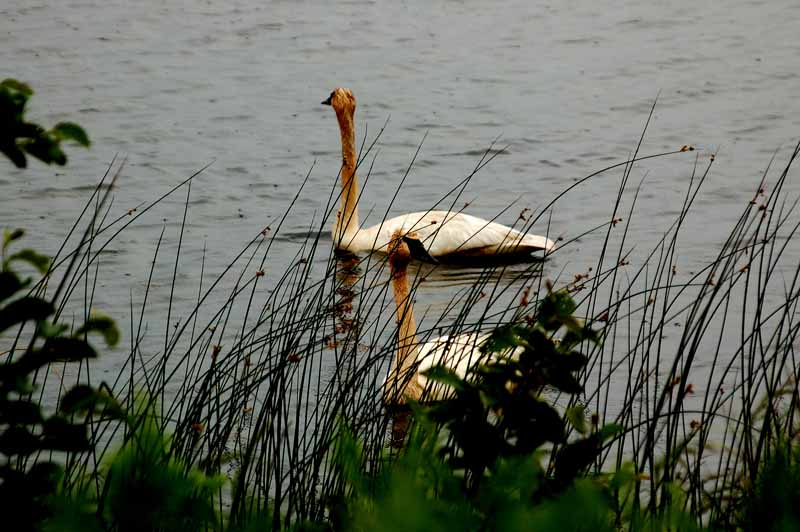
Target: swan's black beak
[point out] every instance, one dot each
(328, 101)
(418, 251)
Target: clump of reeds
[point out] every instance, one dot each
(256, 386)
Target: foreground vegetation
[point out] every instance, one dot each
(646, 398)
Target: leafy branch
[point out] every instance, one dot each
(19, 137)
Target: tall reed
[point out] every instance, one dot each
(255, 376)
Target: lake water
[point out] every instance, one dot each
(567, 86)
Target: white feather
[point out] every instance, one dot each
(459, 354)
(448, 233)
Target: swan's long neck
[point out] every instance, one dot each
(402, 382)
(347, 218)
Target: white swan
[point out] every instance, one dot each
(459, 353)
(443, 233)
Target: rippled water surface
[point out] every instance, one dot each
(567, 86)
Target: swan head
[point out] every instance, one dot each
(341, 100)
(403, 248)
(399, 253)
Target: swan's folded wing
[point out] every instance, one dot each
(447, 233)
(457, 233)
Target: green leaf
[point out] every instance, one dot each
(83, 398)
(563, 380)
(536, 422)
(30, 131)
(564, 303)
(577, 418)
(448, 410)
(609, 430)
(623, 477)
(10, 284)
(20, 412)
(61, 435)
(576, 457)
(446, 376)
(102, 324)
(37, 260)
(24, 309)
(12, 107)
(556, 310)
(574, 337)
(14, 380)
(51, 330)
(54, 350)
(9, 235)
(17, 440)
(573, 361)
(46, 150)
(66, 349)
(45, 476)
(77, 398)
(501, 339)
(71, 131)
(17, 86)
(571, 323)
(12, 151)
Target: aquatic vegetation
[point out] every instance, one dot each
(27, 432)
(19, 137)
(662, 396)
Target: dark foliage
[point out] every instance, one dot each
(19, 137)
(25, 431)
(773, 503)
(500, 412)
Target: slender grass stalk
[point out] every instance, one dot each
(253, 378)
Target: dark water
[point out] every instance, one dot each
(566, 85)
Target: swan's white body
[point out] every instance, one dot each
(442, 233)
(446, 233)
(458, 354)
